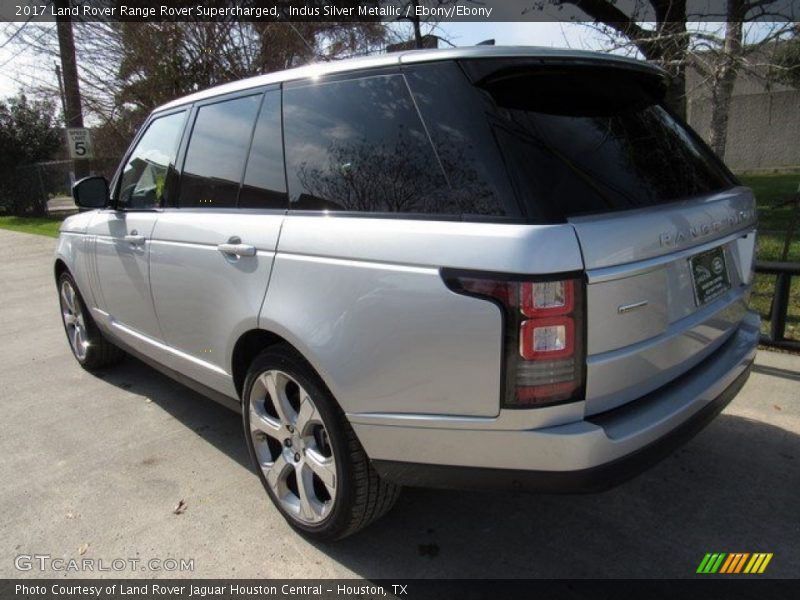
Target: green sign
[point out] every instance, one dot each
(710, 275)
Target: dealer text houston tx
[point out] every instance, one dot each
(200, 591)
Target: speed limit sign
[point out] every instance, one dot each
(79, 143)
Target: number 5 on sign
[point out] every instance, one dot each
(79, 143)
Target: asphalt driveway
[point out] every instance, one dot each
(93, 466)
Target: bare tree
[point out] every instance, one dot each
(410, 7)
(786, 63)
(720, 58)
(666, 42)
(662, 31)
(126, 69)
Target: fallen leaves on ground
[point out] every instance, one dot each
(180, 507)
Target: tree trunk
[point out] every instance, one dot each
(725, 77)
(415, 21)
(675, 96)
(672, 57)
(666, 45)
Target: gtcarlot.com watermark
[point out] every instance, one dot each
(47, 562)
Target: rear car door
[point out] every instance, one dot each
(377, 209)
(122, 235)
(212, 254)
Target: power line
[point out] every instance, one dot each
(16, 33)
(306, 42)
(24, 48)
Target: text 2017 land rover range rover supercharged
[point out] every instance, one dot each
(442, 268)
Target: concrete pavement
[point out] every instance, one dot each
(97, 463)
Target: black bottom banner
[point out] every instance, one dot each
(411, 589)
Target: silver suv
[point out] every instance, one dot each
(476, 267)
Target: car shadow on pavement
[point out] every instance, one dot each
(733, 488)
(776, 372)
(213, 422)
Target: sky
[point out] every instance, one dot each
(558, 35)
(17, 65)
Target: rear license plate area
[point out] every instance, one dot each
(710, 277)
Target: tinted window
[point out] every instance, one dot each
(359, 145)
(265, 180)
(217, 151)
(589, 141)
(143, 183)
(455, 115)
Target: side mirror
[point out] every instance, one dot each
(91, 192)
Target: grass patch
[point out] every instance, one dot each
(770, 192)
(39, 225)
(761, 302)
(770, 247)
(773, 220)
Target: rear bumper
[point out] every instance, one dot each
(592, 454)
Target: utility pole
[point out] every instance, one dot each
(73, 114)
(61, 91)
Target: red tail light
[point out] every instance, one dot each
(544, 332)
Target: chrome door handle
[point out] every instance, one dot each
(237, 249)
(134, 239)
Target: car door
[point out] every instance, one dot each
(122, 233)
(212, 254)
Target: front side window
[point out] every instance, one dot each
(143, 183)
(217, 152)
(359, 145)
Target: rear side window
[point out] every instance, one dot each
(217, 151)
(143, 182)
(454, 113)
(265, 180)
(580, 141)
(359, 145)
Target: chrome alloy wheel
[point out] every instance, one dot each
(292, 447)
(74, 321)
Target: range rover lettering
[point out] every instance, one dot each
(480, 267)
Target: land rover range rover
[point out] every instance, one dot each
(469, 267)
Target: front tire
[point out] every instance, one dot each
(306, 454)
(90, 348)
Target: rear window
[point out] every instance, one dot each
(581, 141)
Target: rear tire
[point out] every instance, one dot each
(90, 348)
(306, 454)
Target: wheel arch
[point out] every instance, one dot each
(249, 345)
(60, 267)
(254, 341)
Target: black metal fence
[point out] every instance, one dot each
(783, 271)
(32, 186)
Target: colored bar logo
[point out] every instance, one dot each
(734, 563)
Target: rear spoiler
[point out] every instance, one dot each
(487, 72)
